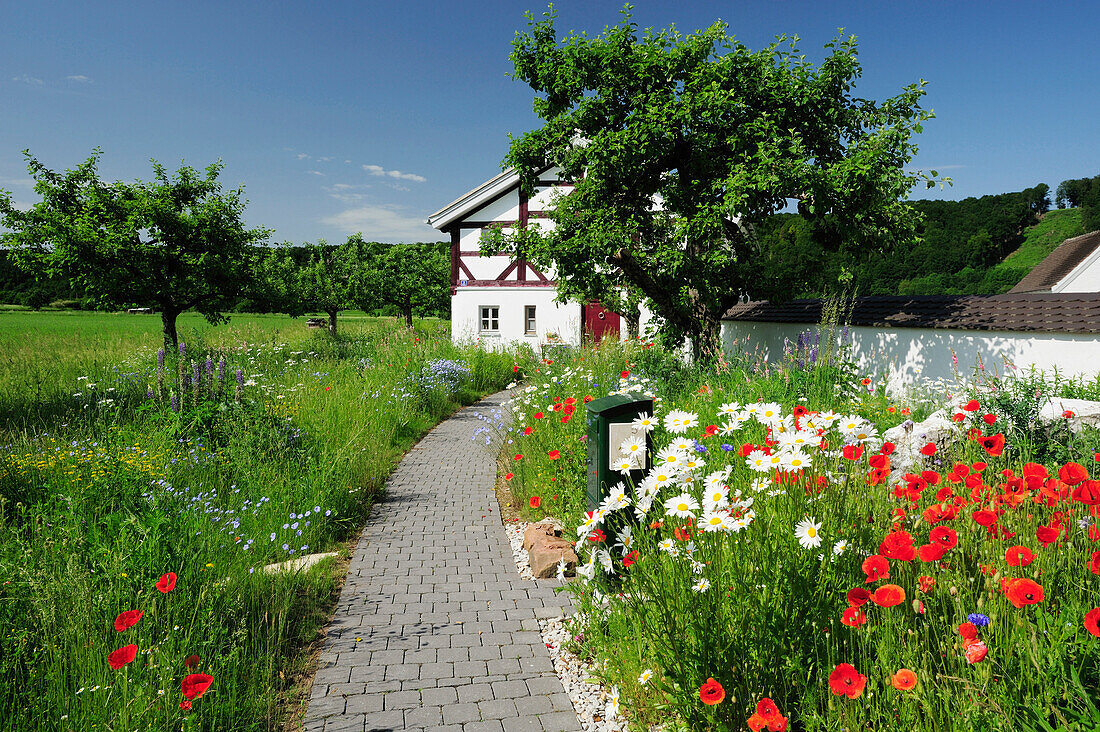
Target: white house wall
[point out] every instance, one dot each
(552, 320)
(907, 356)
(1085, 277)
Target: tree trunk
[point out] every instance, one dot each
(332, 321)
(408, 316)
(706, 340)
(168, 322)
(633, 316)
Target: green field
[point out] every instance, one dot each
(115, 473)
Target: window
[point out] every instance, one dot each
(490, 318)
(529, 320)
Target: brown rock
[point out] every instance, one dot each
(545, 553)
(535, 531)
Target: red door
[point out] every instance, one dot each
(600, 322)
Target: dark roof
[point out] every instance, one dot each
(1062, 313)
(1058, 263)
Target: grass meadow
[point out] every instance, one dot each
(139, 503)
(773, 569)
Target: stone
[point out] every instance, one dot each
(545, 553)
(546, 527)
(299, 564)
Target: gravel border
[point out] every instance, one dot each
(589, 697)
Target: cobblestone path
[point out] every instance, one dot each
(435, 629)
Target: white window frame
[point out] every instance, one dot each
(488, 319)
(530, 322)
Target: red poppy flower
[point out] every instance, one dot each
(631, 558)
(128, 619)
(597, 536)
(972, 406)
(166, 583)
(527, 431)
(1094, 563)
(1019, 556)
(946, 537)
(711, 430)
(888, 596)
(1023, 591)
(866, 381)
(887, 448)
(853, 617)
(534, 501)
(898, 545)
(876, 567)
(993, 444)
(1088, 492)
(846, 681)
(929, 449)
(624, 374)
(194, 686)
(191, 661)
(1068, 414)
(778, 723)
(1092, 619)
(539, 415)
(767, 709)
(989, 418)
(1073, 473)
(518, 457)
(976, 652)
(553, 455)
(904, 679)
(757, 723)
(852, 452)
(1047, 535)
(968, 631)
(185, 705)
(926, 583)
(515, 368)
(984, 518)
(711, 692)
(931, 552)
(958, 417)
(122, 656)
(509, 476)
(858, 596)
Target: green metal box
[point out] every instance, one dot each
(608, 422)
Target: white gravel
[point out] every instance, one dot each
(590, 699)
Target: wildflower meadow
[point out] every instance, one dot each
(144, 495)
(767, 562)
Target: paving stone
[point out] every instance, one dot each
(447, 632)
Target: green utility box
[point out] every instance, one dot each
(608, 421)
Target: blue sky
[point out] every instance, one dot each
(367, 116)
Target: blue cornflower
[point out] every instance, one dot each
(726, 447)
(978, 619)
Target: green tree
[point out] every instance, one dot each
(415, 279)
(324, 278)
(175, 243)
(680, 147)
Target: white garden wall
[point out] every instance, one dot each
(905, 356)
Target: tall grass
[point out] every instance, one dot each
(104, 489)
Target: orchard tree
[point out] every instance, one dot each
(176, 243)
(323, 278)
(415, 279)
(681, 146)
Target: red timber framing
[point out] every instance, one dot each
(520, 268)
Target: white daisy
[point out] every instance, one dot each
(761, 484)
(840, 547)
(683, 506)
(624, 465)
(670, 457)
(633, 445)
(645, 676)
(712, 521)
(702, 585)
(808, 533)
(644, 422)
(612, 710)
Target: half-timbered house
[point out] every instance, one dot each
(500, 300)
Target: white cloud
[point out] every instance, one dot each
(25, 79)
(79, 78)
(17, 182)
(379, 170)
(325, 159)
(303, 156)
(315, 172)
(384, 223)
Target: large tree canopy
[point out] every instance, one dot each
(681, 146)
(175, 243)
